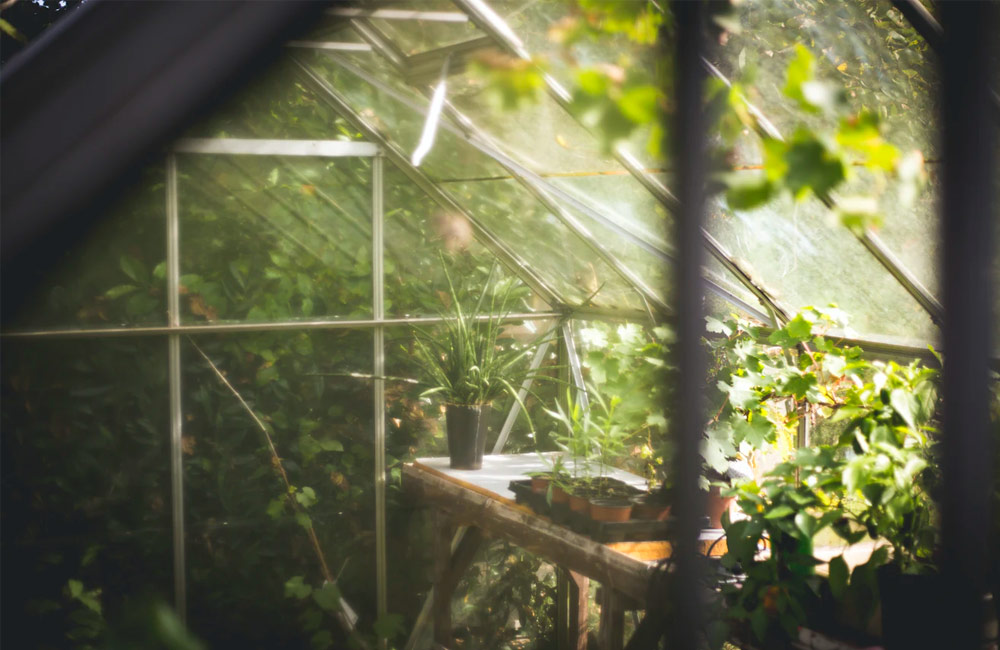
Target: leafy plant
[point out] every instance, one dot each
(468, 362)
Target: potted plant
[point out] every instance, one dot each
(468, 364)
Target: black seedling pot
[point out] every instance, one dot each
(466, 435)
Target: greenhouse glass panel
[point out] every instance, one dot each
(255, 571)
(867, 48)
(804, 256)
(423, 242)
(419, 36)
(86, 485)
(517, 217)
(266, 238)
(115, 276)
(909, 226)
(450, 158)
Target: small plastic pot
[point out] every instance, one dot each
(650, 507)
(540, 484)
(715, 505)
(559, 495)
(610, 509)
(579, 504)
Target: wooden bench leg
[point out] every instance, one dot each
(448, 570)
(579, 599)
(612, 630)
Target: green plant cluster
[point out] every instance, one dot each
(875, 483)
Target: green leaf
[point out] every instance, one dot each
(778, 512)
(639, 103)
(799, 72)
(811, 166)
(134, 269)
(119, 291)
(296, 588)
(306, 497)
(302, 519)
(75, 588)
(275, 508)
(838, 577)
(327, 597)
(746, 193)
(905, 404)
(806, 523)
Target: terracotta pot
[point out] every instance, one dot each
(613, 510)
(650, 507)
(579, 504)
(540, 484)
(559, 495)
(466, 435)
(715, 505)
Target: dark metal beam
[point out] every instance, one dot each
(690, 141)
(968, 213)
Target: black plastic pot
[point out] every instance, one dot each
(912, 610)
(466, 435)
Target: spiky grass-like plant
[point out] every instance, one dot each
(464, 362)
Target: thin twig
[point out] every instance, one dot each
(342, 618)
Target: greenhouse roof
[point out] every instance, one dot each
(593, 224)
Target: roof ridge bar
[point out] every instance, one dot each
(499, 248)
(868, 238)
(463, 127)
(506, 38)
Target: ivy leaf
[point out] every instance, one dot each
(741, 392)
(747, 192)
(811, 166)
(296, 588)
(905, 404)
(119, 291)
(306, 497)
(388, 626)
(327, 597)
(755, 433)
(134, 269)
(800, 71)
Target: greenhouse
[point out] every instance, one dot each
(339, 325)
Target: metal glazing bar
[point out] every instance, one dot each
(522, 394)
(381, 43)
(264, 147)
(378, 311)
(507, 257)
(463, 127)
(221, 328)
(174, 378)
(399, 14)
(493, 25)
(875, 246)
(575, 366)
(338, 46)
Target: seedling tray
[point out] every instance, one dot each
(634, 530)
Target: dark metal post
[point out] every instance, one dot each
(966, 223)
(690, 141)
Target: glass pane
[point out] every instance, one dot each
(449, 158)
(277, 104)
(421, 241)
(910, 231)
(86, 487)
(540, 135)
(805, 257)
(868, 48)
(518, 218)
(248, 532)
(114, 276)
(269, 239)
(415, 36)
